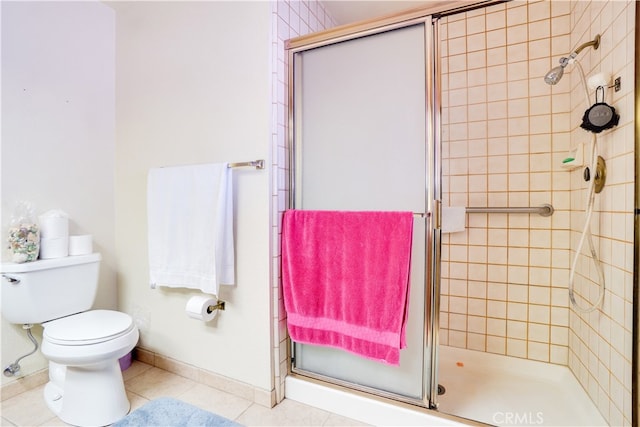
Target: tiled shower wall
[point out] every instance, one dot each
(505, 135)
(289, 19)
(600, 343)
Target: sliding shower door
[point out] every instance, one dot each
(361, 142)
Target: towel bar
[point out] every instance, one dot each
(258, 164)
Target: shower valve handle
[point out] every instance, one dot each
(600, 175)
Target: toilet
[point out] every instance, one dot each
(82, 346)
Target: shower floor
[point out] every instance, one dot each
(504, 391)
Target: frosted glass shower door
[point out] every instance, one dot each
(360, 144)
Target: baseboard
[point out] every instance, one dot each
(23, 384)
(257, 395)
(266, 398)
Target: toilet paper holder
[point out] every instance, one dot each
(219, 306)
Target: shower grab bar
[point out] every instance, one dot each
(542, 210)
(258, 164)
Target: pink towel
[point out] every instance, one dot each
(345, 278)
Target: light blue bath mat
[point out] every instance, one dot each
(168, 412)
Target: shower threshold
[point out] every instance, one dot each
(362, 407)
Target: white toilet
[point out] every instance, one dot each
(83, 346)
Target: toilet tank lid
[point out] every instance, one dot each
(43, 264)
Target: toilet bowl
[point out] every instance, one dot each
(86, 386)
(82, 345)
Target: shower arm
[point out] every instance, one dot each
(566, 60)
(595, 43)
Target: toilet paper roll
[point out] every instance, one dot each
(54, 224)
(54, 248)
(81, 244)
(197, 308)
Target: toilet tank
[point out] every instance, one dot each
(47, 289)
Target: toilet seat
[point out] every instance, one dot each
(89, 327)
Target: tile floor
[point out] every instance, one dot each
(145, 382)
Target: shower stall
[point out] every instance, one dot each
(438, 108)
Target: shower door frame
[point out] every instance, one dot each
(429, 17)
(432, 205)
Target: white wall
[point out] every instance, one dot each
(193, 86)
(58, 130)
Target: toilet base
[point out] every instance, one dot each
(91, 395)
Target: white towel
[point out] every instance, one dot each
(453, 219)
(190, 227)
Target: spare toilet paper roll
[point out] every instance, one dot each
(197, 308)
(81, 244)
(54, 224)
(54, 248)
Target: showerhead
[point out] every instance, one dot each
(555, 74)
